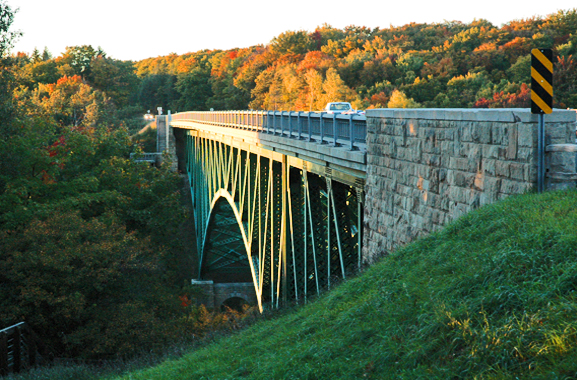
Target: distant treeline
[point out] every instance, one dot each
(449, 64)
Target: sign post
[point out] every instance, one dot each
(541, 102)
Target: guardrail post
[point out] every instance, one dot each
(334, 129)
(290, 119)
(281, 126)
(310, 129)
(299, 126)
(351, 132)
(322, 127)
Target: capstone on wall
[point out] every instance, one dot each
(427, 167)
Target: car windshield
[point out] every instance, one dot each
(339, 107)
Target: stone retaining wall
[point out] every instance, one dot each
(214, 295)
(427, 167)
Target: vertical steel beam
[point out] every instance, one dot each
(305, 242)
(359, 226)
(337, 232)
(310, 219)
(283, 239)
(329, 245)
(292, 233)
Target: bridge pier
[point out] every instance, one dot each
(214, 296)
(165, 139)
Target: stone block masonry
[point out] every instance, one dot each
(428, 167)
(214, 295)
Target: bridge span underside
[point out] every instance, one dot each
(289, 226)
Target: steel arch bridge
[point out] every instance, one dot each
(267, 215)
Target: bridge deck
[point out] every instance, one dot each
(310, 137)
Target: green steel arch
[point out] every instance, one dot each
(290, 226)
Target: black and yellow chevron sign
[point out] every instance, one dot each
(541, 81)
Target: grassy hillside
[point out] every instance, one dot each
(492, 296)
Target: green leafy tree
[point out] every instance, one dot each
(115, 78)
(462, 90)
(80, 58)
(83, 295)
(7, 85)
(64, 217)
(7, 37)
(46, 55)
(565, 81)
(195, 89)
(424, 90)
(520, 71)
(291, 42)
(157, 91)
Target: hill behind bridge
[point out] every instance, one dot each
(490, 296)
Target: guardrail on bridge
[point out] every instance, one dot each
(339, 130)
(152, 158)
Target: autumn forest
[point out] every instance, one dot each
(81, 225)
(450, 64)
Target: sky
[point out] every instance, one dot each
(139, 29)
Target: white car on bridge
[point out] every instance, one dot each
(341, 108)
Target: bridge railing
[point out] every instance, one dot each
(338, 130)
(153, 158)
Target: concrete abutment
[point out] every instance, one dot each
(214, 295)
(428, 167)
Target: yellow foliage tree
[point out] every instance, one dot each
(400, 100)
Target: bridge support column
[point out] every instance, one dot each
(206, 296)
(213, 296)
(165, 141)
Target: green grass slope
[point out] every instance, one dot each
(491, 296)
